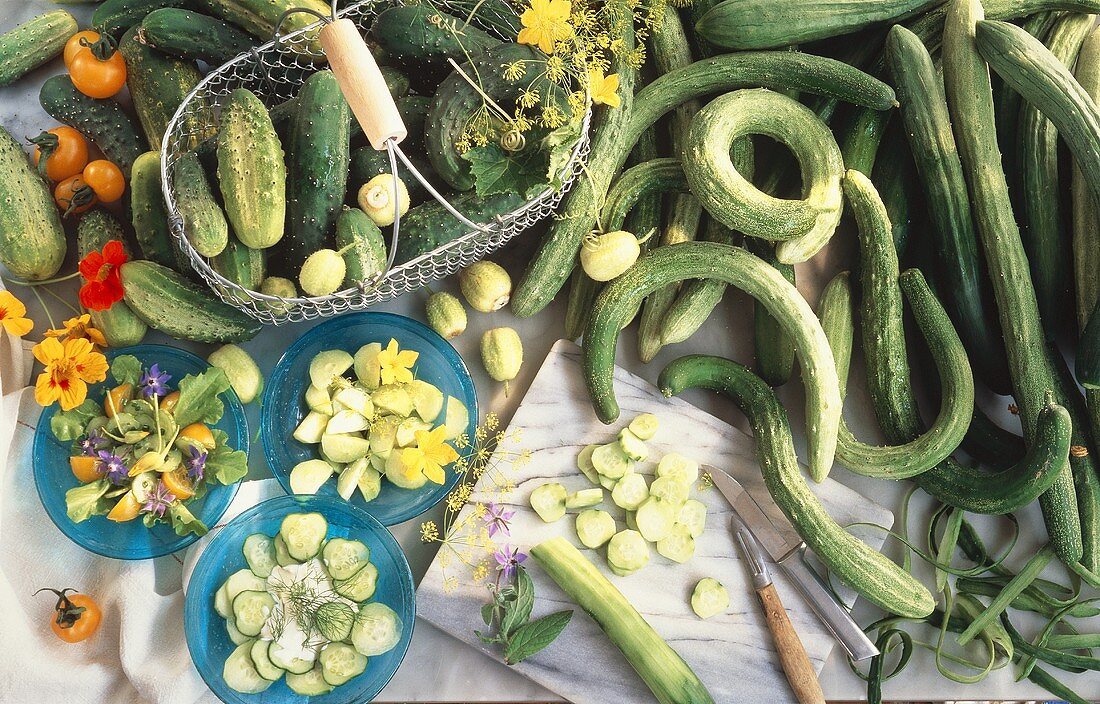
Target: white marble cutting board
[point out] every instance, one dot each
(732, 653)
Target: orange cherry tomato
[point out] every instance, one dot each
(199, 434)
(85, 468)
(73, 195)
(117, 398)
(96, 77)
(66, 152)
(127, 509)
(76, 616)
(75, 46)
(105, 179)
(179, 483)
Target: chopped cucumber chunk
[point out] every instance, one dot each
(584, 498)
(709, 598)
(370, 484)
(669, 489)
(347, 421)
(367, 368)
(595, 527)
(693, 514)
(655, 518)
(678, 545)
(343, 449)
(309, 684)
(319, 400)
(630, 492)
(377, 629)
(611, 461)
(407, 430)
(240, 673)
(627, 552)
(456, 419)
(267, 669)
(427, 399)
(343, 558)
(303, 534)
(383, 433)
(250, 611)
(644, 426)
(400, 476)
(308, 477)
(334, 620)
(340, 663)
(259, 553)
(327, 365)
(548, 501)
(355, 399)
(675, 465)
(312, 427)
(361, 585)
(584, 463)
(394, 399)
(349, 478)
(633, 446)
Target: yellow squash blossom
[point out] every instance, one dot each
(79, 327)
(545, 23)
(396, 364)
(70, 367)
(13, 315)
(603, 88)
(430, 456)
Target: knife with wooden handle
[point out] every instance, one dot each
(792, 655)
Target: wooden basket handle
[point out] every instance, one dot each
(362, 83)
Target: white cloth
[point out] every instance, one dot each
(142, 601)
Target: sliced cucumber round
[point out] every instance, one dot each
(377, 629)
(693, 514)
(361, 585)
(235, 636)
(343, 558)
(267, 669)
(630, 492)
(281, 658)
(678, 545)
(334, 620)
(627, 552)
(282, 555)
(678, 467)
(655, 518)
(309, 684)
(259, 553)
(250, 611)
(240, 673)
(709, 598)
(595, 527)
(633, 446)
(644, 426)
(340, 663)
(303, 534)
(611, 461)
(669, 489)
(584, 463)
(584, 498)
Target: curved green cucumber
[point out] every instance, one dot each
(1045, 236)
(862, 138)
(874, 576)
(991, 444)
(148, 213)
(251, 171)
(33, 43)
(654, 176)
(1086, 210)
(765, 24)
(119, 325)
(777, 70)
(193, 36)
(697, 298)
(804, 226)
(970, 102)
(735, 266)
(896, 178)
(241, 264)
(32, 239)
(158, 84)
(103, 122)
(928, 128)
(203, 219)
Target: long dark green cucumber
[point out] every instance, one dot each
(929, 26)
(991, 444)
(970, 101)
(1086, 209)
(735, 266)
(961, 485)
(661, 175)
(869, 572)
(1044, 230)
(862, 138)
(697, 298)
(692, 13)
(779, 70)
(965, 290)
(774, 357)
(104, 122)
(897, 182)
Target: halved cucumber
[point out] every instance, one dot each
(633, 446)
(548, 501)
(393, 399)
(361, 585)
(678, 467)
(627, 552)
(630, 492)
(383, 433)
(343, 557)
(693, 514)
(584, 498)
(644, 426)
(344, 448)
(250, 611)
(308, 477)
(611, 461)
(327, 365)
(240, 673)
(346, 421)
(367, 368)
(319, 400)
(395, 472)
(312, 428)
(595, 527)
(281, 658)
(377, 629)
(309, 684)
(655, 518)
(584, 463)
(427, 399)
(303, 534)
(341, 662)
(267, 669)
(407, 430)
(670, 489)
(350, 476)
(678, 545)
(370, 484)
(259, 553)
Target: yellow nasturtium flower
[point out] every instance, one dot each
(13, 315)
(79, 327)
(69, 368)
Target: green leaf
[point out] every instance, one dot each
(532, 637)
(223, 463)
(83, 502)
(496, 171)
(183, 521)
(559, 146)
(71, 424)
(199, 402)
(488, 640)
(126, 369)
(487, 613)
(518, 611)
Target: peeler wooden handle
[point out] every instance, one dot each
(792, 655)
(362, 83)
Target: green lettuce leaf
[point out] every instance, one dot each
(496, 171)
(223, 463)
(126, 369)
(71, 424)
(184, 522)
(199, 402)
(83, 502)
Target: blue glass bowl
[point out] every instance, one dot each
(284, 403)
(208, 640)
(131, 540)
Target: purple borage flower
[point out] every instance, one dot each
(196, 464)
(90, 445)
(159, 500)
(154, 382)
(113, 467)
(498, 518)
(508, 559)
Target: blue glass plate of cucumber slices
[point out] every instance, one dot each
(300, 599)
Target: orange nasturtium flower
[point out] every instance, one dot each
(430, 456)
(603, 88)
(545, 23)
(69, 368)
(396, 364)
(79, 327)
(13, 315)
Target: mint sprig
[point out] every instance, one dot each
(509, 622)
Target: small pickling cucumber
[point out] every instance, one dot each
(644, 426)
(420, 39)
(655, 518)
(682, 469)
(244, 266)
(446, 315)
(149, 215)
(693, 514)
(486, 286)
(633, 446)
(327, 365)
(361, 585)
(630, 491)
(430, 225)
(309, 684)
(190, 35)
(312, 427)
(606, 256)
(594, 527)
(240, 672)
(259, 553)
(158, 85)
(377, 629)
(611, 461)
(32, 240)
(119, 325)
(203, 219)
(251, 170)
(709, 598)
(116, 16)
(548, 501)
(322, 273)
(104, 122)
(340, 663)
(242, 371)
(362, 245)
(33, 43)
(627, 552)
(303, 534)
(250, 611)
(584, 463)
(584, 498)
(343, 557)
(678, 545)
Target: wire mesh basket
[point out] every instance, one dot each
(275, 72)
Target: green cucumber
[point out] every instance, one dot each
(497, 16)
(364, 249)
(193, 36)
(928, 128)
(970, 101)
(874, 576)
(774, 351)
(697, 298)
(420, 38)
(203, 219)
(863, 137)
(430, 225)
(158, 85)
(33, 43)
(32, 241)
(116, 16)
(778, 70)
(149, 215)
(119, 325)
(318, 156)
(242, 265)
(259, 17)
(251, 171)
(1086, 210)
(170, 303)
(103, 122)
(707, 260)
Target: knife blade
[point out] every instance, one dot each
(787, 549)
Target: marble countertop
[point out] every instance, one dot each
(439, 668)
